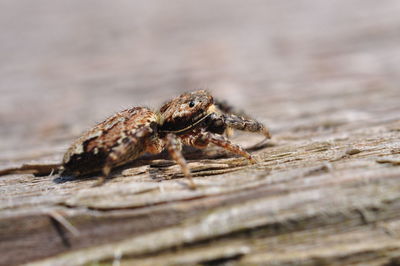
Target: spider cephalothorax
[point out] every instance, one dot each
(191, 119)
(186, 111)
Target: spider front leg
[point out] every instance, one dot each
(241, 123)
(203, 138)
(174, 147)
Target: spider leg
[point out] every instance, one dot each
(174, 147)
(237, 119)
(223, 142)
(129, 148)
(241, 123)
(202, 139)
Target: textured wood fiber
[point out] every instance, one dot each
(323, 76)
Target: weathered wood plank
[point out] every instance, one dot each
(323, 77)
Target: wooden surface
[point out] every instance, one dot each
(323, 76)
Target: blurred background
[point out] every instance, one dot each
(65, 65)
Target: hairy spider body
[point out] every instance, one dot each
(190, 119)
(129, 130)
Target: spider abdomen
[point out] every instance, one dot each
(89, 153)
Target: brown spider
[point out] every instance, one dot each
(192, 119)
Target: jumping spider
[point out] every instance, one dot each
(192, 119)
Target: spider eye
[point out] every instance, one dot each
(191, 104)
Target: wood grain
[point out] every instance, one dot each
(324, 78)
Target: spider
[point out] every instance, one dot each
(193, 119)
